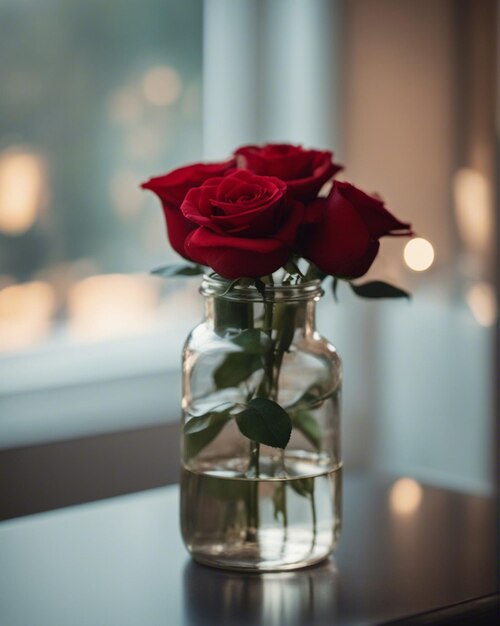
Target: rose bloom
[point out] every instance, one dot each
(246, 225)
(172, 188)
(341, 232)
(304, 171)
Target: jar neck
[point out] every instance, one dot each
(290, 307)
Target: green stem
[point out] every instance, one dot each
(284, 321)
(282, 472)
(269, 388)
(263, 391)
(285, 521)
(250, 320)
(229, 314)
(253, 501)
(313, 273)
(285, 511)
(314, 518)
(267, 323)
(273, 392)
(254, 458)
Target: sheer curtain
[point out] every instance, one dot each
(403, 93)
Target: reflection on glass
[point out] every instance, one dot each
(214, 597)
(482, 302)
(21, 189)
(405, 496)
(419, 254)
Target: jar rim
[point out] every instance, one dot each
(216, 286)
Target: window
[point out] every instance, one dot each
(96, 96)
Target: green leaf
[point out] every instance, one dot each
(378, 289)
(178, 269)
(303, 421)
(236, 367)
(253, 341)
(266, 422)
(303, 486)
(203, 429)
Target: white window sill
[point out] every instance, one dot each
(71, 390)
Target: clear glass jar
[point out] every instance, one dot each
(246, 505)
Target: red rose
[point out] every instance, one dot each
(305, 171)
(247, 224)
(341, 231)
(172, 188)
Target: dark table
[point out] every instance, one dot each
(405, 550)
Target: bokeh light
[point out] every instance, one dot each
(25, 314)
(112, 305)
(161, 85)
(482, 302)
(405, 496)
(419, 254)
(473, 209)
(21, 189)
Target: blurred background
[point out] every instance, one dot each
(99, 95)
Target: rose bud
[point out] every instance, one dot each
(247, 224)
(341, 232)
(304, 171)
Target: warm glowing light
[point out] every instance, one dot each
(111, 305)
(161, 85)
(21, 190)
(405, 496)
(126, 193)
(482, 303)
(419, 254)
(6, 281)
(473, 208)
(25, 314)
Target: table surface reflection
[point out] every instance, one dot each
(405, 549)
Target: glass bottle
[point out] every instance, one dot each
(247, 505)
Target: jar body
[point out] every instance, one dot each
(246, 505)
